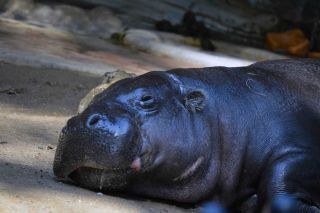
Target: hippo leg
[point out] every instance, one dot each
(292, 185)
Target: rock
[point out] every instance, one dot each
(140, 39)
(245, 21)
(42, 12)
(104, 21)
(73, 19)
(100, 21)
(236, 19)
(301, 11)
(110, 78)
(17, 9)
(3, 3)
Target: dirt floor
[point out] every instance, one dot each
(34, 105)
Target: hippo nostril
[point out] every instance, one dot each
(93, 120)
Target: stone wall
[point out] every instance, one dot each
(240, 21)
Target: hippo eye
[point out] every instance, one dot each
(147, 102)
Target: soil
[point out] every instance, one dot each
(34, 105)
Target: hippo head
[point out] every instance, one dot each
(136, 126)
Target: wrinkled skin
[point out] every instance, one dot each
(247, 138)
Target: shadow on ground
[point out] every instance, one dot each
(42, 91)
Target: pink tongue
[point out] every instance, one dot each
(136, 165)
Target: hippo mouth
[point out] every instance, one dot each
(98, 178)
(146, 160)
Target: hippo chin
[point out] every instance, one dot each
(247, 138)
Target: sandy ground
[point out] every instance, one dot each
(34, 105)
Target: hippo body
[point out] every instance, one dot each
(239, 136)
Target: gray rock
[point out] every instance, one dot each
(17, 9)
(240, 21)
(298, 11)
(100, 21)
(104, 21)
(230, 20)
(140, 39)
(42, 14)
(73, 19)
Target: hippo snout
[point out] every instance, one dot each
(96, 149)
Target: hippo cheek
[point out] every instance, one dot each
(97, 153)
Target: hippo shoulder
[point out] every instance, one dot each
(296, 69)
(300, 77)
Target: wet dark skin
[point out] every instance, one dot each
(247, 138)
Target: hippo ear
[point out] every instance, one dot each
(195, 100)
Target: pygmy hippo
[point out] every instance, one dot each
(247, 138)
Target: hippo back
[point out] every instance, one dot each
(301, 76)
